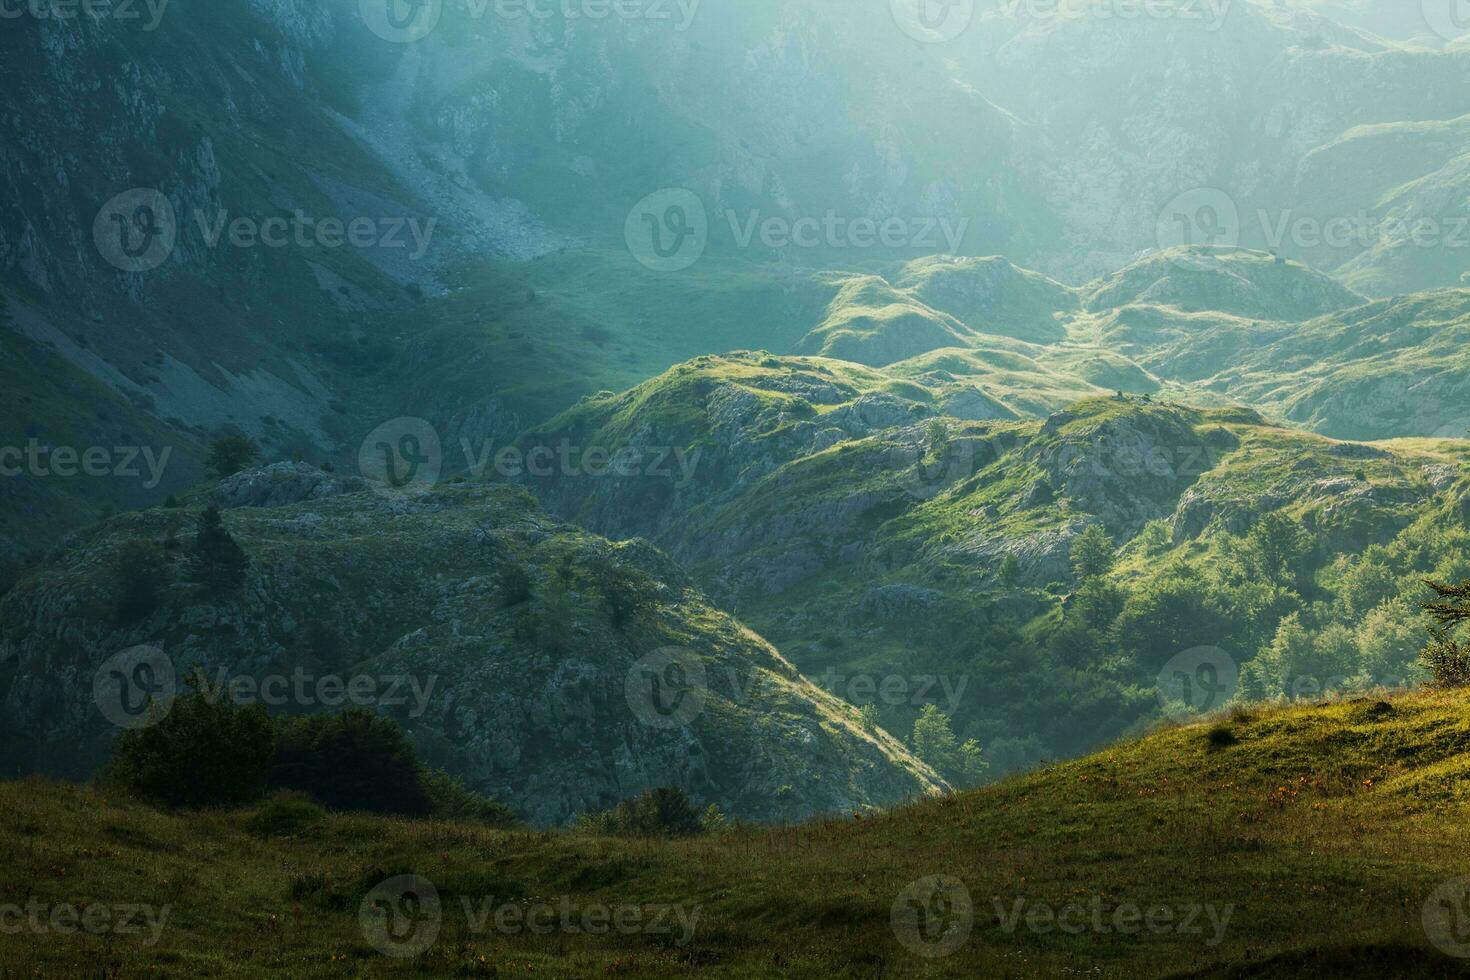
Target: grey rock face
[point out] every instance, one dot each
(537, 694)
(281, 484)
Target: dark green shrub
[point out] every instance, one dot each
(664, 812)
(284, 814)
(448, 798)
(205, 752)
(355, 760)
(231, 453)
(218, 562)
(1447, 659)
(515, 586)
(630, 594)
(140, 575)
(1221, 737)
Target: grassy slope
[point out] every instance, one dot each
(1324, 827)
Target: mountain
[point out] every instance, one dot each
(866, 532)
(510, 646)
(1196, 851)
(498, 163)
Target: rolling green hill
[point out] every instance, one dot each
(1319, 840)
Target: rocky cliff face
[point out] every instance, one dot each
(552, 669)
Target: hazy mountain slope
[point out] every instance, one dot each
(1125, 117)
(1388, 368)
(528, 691)
(1385, 18)
(51, 402)
(991, 295)
(1235, 282)
(1299, 807)
(870, 322)
(761, 109)
(181, 129)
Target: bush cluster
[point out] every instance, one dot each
(210, 752)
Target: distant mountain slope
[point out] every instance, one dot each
(870, 322)
(1236, 282)
(514, 666)
(1392, 367)
(991, 295)
(1124, 119)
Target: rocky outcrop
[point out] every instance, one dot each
(528, 657)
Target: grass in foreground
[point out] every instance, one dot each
(1303, 841)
